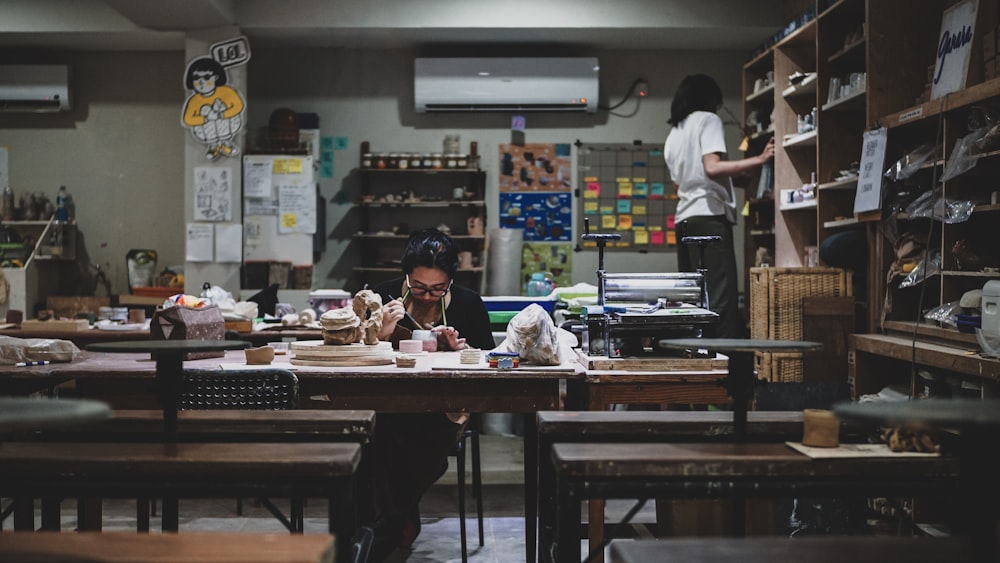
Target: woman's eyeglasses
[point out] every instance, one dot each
(420, 291)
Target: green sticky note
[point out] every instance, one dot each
(326, 143)
(326, 170)
(339, 143)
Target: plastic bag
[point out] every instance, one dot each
(532, 334)
(925, 269)
(14, 350)
(964, 156)
(945, 313)
(933, 206)
(219, 296)
(909, 164)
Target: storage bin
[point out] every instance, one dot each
(517, 303)
(776, 311)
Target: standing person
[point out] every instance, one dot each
(411, 450)
(695, 153)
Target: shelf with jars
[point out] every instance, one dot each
(406, 191)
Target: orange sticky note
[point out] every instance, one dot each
(671, 238)
(624, 222)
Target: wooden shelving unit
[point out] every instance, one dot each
(394, 202)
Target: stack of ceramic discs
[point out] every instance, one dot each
(470, 355)
(317, 353)
(405, 361)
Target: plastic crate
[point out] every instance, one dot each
(516, 303)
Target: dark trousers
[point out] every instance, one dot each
(722, 277)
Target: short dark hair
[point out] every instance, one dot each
(430, 248)
(697, 92)
(205, 64)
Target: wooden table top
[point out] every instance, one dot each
(740, 345)
(653, 423)
(757, 460)
(829, 549)
(129, 547)
(116, 365)
(181, 459)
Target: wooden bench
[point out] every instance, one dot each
(640, 426)
(827, 549)
(234, 426)
(123, 547)
(30, 470)
(725, 470)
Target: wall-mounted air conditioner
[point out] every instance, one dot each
(505, 84)
(34, 88)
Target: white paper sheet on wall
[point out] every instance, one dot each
(257, 182)
(229, 242)
(200, 242)
(296, 208)
(213, 193)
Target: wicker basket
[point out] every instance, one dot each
(776, 311)
(779, 367)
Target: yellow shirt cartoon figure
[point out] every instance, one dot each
(214, 112)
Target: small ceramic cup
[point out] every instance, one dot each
(261, 356)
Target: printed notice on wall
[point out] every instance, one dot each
(200, 242)
(296, 208)
(213, 193)
(257, 179)
(869, 194)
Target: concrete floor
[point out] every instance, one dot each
(503, 507)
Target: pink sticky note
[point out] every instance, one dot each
(656, 237)
(670, 222)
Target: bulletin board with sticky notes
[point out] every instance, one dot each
(626, 188)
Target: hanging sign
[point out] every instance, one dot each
(869, 194)
(954, 48)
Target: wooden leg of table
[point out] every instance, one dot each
(24, 514)
(143, 508)
(530, 486)
(51, 518)
(170, 514)
(595, 526)
(89, 512)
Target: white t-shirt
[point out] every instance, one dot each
(699, 134)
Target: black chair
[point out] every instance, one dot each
(249, 389)
(470, 434)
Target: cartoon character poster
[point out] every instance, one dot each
(214, 111)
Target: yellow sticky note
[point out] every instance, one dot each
(625, 190)
(641, 236)
(607, 221)
(607, 210)
(280, 166)
(295, 166)
(624, 222)
(590, 207)
(746, 209)
(638, 180)
(623, 180)
(590, 179)
(289, 220)
(638, 210)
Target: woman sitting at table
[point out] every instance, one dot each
(411, 450)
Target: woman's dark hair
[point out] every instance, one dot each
(697, 92)
(205, 64)
(430, 248)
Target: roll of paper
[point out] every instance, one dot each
(291, 319)
(307, 317)
(504, 262)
